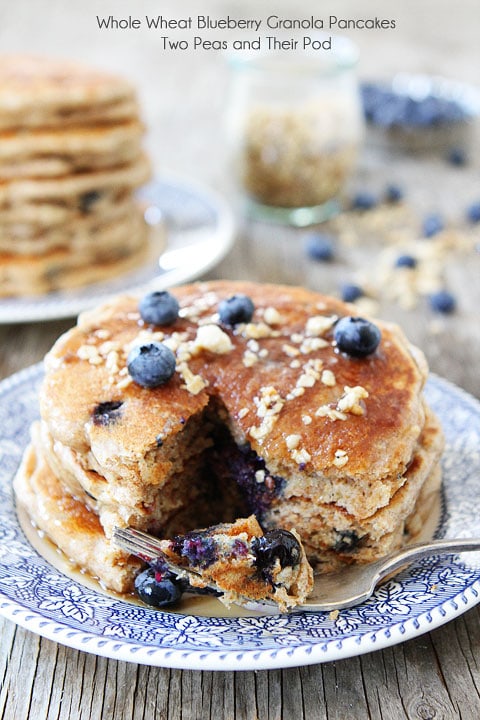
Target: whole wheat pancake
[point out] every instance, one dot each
(60, 268)
(27, 219)
(115, 227)
(267, 417)
(71, 159)
(38, 91)
(129, 176)
(71, 526)
(50, 153)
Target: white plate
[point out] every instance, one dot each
(199, 232)
(35, 595)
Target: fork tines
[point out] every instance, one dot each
(137, 543)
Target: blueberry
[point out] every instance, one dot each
(457, 156)
(473, 212)
(159, 308)
(364, 200)
(351, 292)
(406, 261)
(356, 336)
(199, 549)
(347, 540)
(320, 247)
(151, 364)
(156, 589)
(236, 309)
(443, 302)
(276, 544)
(394, 193)
(432, 225)
(107, 412)
(88, 200)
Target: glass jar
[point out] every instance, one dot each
(295, 126)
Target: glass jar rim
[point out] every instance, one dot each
(343, 56)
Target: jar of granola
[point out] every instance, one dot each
(295, 127)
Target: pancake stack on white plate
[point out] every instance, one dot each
(71, 159)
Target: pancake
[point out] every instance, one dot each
(76, 185)
(71, 526)
(37, 91)
(71, 161)
(80, 236)
(61, 151)
(268, 416)
(125, 249)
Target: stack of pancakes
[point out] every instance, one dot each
(266, 417)
(70, 161)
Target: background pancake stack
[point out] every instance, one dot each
(70, 161)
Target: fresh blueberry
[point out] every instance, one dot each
(364, 200)
(106, 412)
(394, 193)
(151, 364)
(356, 336)
(473, 212)
(351, 292)
(406, 261)
(432, 225)
(157, 589)
(276, 544)
(236, 309)
(88, 200)
(320, 247)
(443, 302)
(457, 157)
(159, 308)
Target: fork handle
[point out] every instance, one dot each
(410, 553)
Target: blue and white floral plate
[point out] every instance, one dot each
(37, 596)
(192, 230)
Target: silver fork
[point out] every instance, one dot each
(356, 583)
(333, 591)
(147, 547)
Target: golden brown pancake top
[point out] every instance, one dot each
(272, 383)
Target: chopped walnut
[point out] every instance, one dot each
(292, 441)
(340, 459)
(319, 324)
(249, 358)
(213, 339)
(260, 476)
(328, 378)
(193, 383)
(301, 456)
(272, 316)
(269, 405)
(331, 413)
(350, 400)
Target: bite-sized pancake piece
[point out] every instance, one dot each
(242, 562)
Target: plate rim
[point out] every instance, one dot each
(51, 306)
(222, 659)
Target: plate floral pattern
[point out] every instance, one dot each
(40, 598)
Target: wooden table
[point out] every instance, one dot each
(436, 675)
